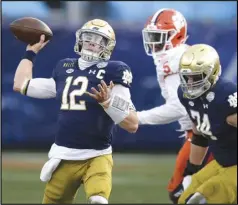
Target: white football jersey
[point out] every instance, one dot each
(168, 64)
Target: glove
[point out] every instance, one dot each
(175, 194)
(189, 170)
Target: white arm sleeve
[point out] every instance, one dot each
(42, 88)
(120, 104)
(171, 111)
(123, 92)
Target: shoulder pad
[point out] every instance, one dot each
(119, 72)
(68, 62)
(102, 64)
(117, 64)
(63, 63)
(226, 95)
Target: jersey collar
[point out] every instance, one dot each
(82, 64)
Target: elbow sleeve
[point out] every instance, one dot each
(41, 88)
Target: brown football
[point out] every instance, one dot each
(30, 29)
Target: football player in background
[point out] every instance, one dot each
(164, 38)
(211, 103)
(82, 152)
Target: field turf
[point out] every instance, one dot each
(137, 178)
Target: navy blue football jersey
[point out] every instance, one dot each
(209, 113)
(82, 122)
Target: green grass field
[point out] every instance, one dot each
(137, 178)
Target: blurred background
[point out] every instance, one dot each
(143, 161)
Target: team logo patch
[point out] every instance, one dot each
(232, 99)
(210, 96)
(127, 77)
(102, 64)
(191, 103)
(178, 21)
(69, 70)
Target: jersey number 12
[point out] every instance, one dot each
(72, 105)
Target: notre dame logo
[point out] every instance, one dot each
(232, 99)
(127, 77)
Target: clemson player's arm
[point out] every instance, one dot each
(232, 120)
(169, 112)
(33, 87)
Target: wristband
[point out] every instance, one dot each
(199, 140)
(118, 109)
(30, 55)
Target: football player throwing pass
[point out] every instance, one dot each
(93, 95)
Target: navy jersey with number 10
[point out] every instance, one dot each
(82, 122)
(209, 113)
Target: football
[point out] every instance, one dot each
(30, 29)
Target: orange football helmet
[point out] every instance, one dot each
(166, 29)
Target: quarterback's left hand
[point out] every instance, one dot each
(103, 95)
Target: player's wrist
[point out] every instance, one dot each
(30, 55)
(106, 103)
(118, 108)
(191, 169)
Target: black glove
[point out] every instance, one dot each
(175, 194)
(189, 170)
